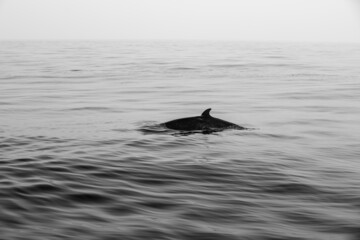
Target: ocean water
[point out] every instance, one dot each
(82, 155)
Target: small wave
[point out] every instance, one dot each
(88, 198)
(89, 109)
(228, 65)
(122, 210)
(250, 65)
(276, 57)
(291, 189)
(183, 68)
(39, 188)
(6, 103)
(277, 136)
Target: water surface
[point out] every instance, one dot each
(80, 158)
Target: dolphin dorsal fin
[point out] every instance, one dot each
(206, 113)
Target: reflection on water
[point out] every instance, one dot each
(83, 155)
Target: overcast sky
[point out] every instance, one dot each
(274, 20)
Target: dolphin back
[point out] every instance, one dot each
(205, 122)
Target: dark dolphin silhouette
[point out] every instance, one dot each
(205, 123)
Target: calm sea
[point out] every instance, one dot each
(81, 156)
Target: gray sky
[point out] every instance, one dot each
(274, 20)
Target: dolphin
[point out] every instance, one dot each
(205, 123)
